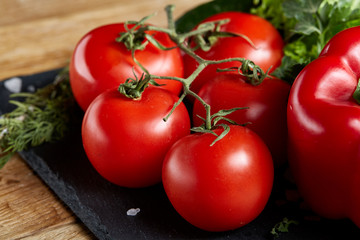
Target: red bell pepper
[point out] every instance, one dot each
(324, 129)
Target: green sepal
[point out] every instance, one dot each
(133, 88)
(201, 129)
(215, 118)
(134, 38)
(223, 133)
(156, 43)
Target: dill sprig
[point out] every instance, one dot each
(39, 117)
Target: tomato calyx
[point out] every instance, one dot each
(251, 74)
(210, 32)
(133, 88)
(356, 94)
(209, 126)
(134, 38)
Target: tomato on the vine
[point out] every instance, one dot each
(99, 62)
(265, 47)
(219, 187)
(126, 139)
(266, 107)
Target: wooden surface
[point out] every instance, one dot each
(39, 35)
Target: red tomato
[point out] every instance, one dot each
(100, 63)
(219, 187)
(126, 140)
(266, 102)
(265, 37)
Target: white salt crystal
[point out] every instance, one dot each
(21, 118)
(3, 132)
(13, 84)
(133, 211)
(31, 88)
(31, 108)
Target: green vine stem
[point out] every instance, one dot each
(253, 73)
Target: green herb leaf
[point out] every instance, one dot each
(43, 116)
(307, 25)
(282, 226)
(270, 10)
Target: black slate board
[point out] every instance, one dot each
(103, 207)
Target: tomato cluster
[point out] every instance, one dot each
(216, 186)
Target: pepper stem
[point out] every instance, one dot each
(356, 94)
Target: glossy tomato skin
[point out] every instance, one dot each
(266, 103)
(100, 63)
(267, 53)
(324, 129)
(126, 140)
(220, 187)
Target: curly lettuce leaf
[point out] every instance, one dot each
(316, 22)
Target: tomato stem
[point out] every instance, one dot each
(253, 73)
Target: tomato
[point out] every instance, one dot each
(267, 53)
(126, 139)
(266, 102)
(100, 63)
(219, 187)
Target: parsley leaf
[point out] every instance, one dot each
(307, 25)
(43, 116)
(282, 226)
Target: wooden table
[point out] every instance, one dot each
(39, 35)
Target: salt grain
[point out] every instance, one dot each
(21, 118)
(31, 88)
(13, 84)
(133, 211)
(3, 132)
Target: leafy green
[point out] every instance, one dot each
(43, 116)
(272, 11)
(282, 226)
(308, 26)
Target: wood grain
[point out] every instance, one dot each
(39, 35)
(28, 209)
(38, 44)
